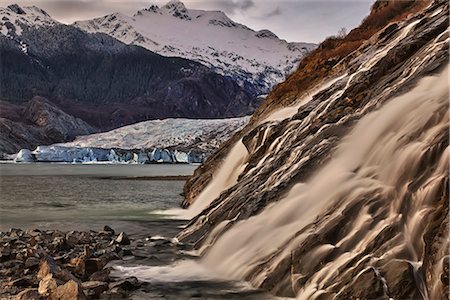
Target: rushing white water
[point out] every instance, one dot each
(290, 111)
(382, 52)
(185, 270)
(374, 163)
(225, 177)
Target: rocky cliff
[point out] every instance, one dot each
(338, 187)
(37, 122)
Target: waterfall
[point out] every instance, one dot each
(386, 173)
(225, 177)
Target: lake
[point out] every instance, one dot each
(83, 197)
(87, 197)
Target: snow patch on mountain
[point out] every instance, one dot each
(16, 18)
(209, 37)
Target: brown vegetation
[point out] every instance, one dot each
(320, 62)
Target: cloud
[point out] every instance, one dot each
(229, 6)
(273, 13)
(246, 4)
(302, 20)
(68, 11)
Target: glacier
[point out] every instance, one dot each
(55, 153)
(155, 141)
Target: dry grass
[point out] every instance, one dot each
(319, 63)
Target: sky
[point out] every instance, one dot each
(293, 20)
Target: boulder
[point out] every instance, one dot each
(106, 228)
(49, 266)
(5, 254)
(123, 239)
(71, 290)
(31, 262)
(47, 286)
(28, 294)
(72, 238)
(94, 288)
(128, 284)
(85, 267)
(102, 275)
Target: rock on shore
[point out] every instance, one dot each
(53, 264)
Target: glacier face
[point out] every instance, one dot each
(56, 153)
(208, 37)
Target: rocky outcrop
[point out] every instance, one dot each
(343, 194)
(38, 122)
(57, 124)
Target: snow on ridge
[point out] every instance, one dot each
(209, 37)
(15, 17)
(184, 134)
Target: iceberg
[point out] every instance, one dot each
(24, 155)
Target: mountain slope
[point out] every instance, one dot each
(343, 193)
(36, 122)
(259, 58)
(103, 81)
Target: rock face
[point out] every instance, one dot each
(355, 171)
(57, 124)
(35, 123)
(105, 82)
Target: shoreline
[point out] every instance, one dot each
(156, 178)
(50, 264)
(45, 264)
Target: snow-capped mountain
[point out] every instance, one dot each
(103, 81)
(14, 19)
(209, 37)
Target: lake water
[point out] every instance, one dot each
(87, 197)
(82, 197)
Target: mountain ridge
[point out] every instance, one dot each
(174, 30)
(104, 82)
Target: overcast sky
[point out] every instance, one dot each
(293, 20)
